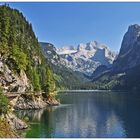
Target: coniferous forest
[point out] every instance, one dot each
(82, 91)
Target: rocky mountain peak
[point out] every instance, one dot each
(129, 55)
(92, 45)
(130, 38)
(86, 57)
(81, 46)
(134, 27)
(71, 47)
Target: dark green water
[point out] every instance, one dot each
(87, 114)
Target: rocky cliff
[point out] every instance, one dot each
(10, 81)
(129, 55)
(124, 74)
(28, 101)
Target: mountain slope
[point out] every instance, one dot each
(24, 73)
(124, 74)
(22, 64)
(65, 78)
(87, 57)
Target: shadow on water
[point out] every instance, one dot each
(106, 114)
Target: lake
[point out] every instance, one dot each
(87, 114)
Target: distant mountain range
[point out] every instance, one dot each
(65, 77)
(84, 58)
(87, 57)
(76, 64)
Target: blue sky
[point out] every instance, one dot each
(67, 23)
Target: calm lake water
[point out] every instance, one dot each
(87, 115)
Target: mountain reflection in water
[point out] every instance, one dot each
(87, 115)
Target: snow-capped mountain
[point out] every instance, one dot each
(86, 57)
(64, 76)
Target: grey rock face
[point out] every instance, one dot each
(130, 38)
(29, 101)
(129, 55)
(10, 81)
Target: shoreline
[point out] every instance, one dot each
(24, 102)
(97, 90)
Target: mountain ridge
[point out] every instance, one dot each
(60, 71)
(87, 57)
